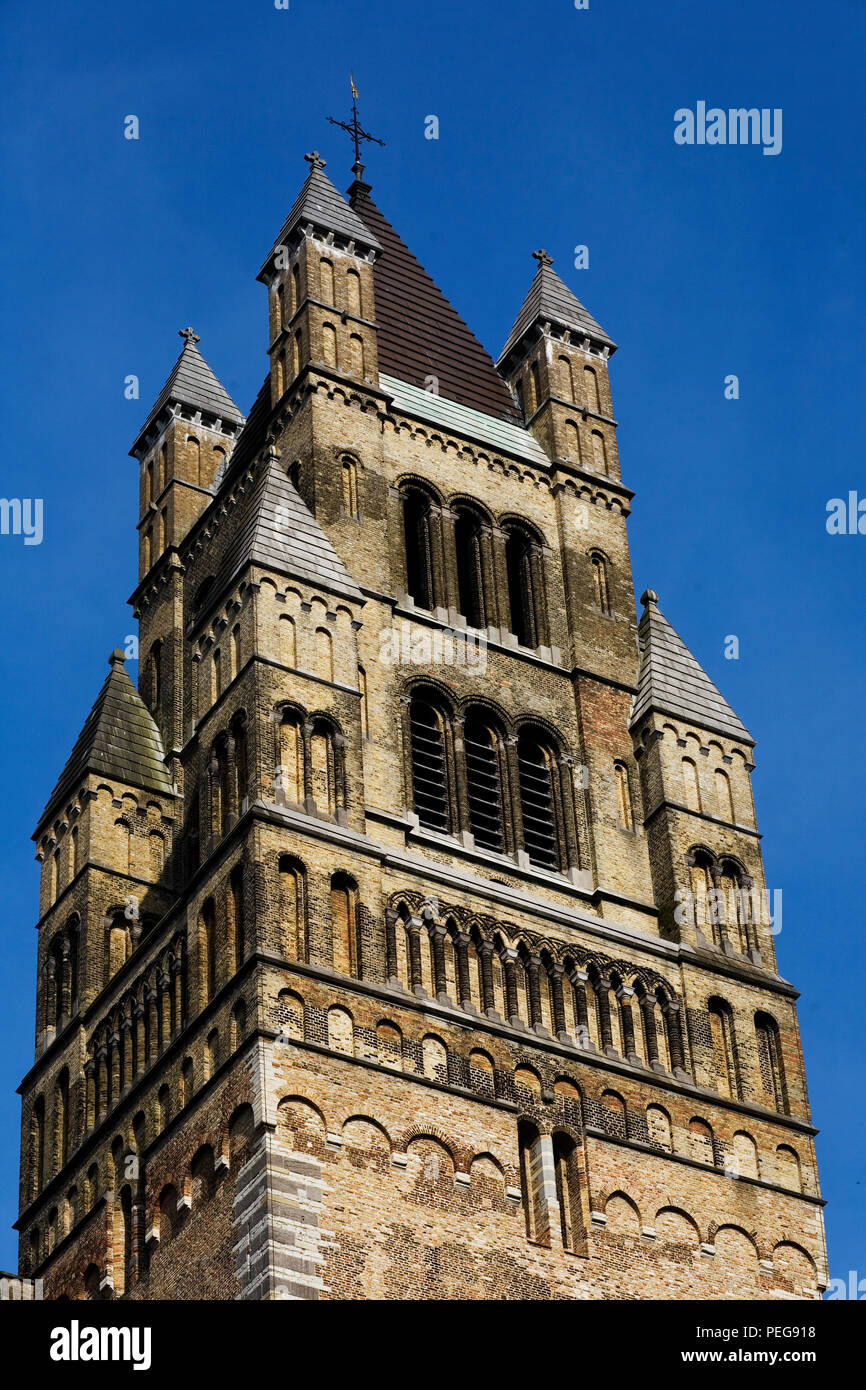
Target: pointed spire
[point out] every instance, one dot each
(671, 681)
(549, 300)
(192, 384)
(277, 530)
(119, 741)
(321, 207)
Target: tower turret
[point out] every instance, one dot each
(695, 758)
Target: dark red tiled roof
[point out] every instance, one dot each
(420, 333)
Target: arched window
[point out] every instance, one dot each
(724, 1055)
(702, 887)
(187, 1081)
(344, 925)
(217, 670)
(349, 472)
(238, 1024)
(567, 1189)
(155, 672)
(212, 1053)
(326, 281)
(148, 484)
(163, 1108)
(484, 777)
(538, 798)
(219, 788)
(289, 781)
(168, 1214)
(324, 654)
(724, 797)
(418, 543)
(732, 908)
(287, 641)
(429, 765)
(701, 1141)
(600, 586)
(281, 306)
(293, 908)
(37, 1146)
(353, 292)
(207, 943)
(599, 452)
(359, 361)
(296, 287)
(325, 772)
(240, 765)
(329, 345)
(772, 1071)
(365, 711)
(535, 386)
(193, 459)
(535, 1208)
(61, 1118)
(623, 797)
(237, 650)
(566, 377)
(590, 389)
(691, 786)
(235, 903)
(125, 1242)
(526, 604)
(470, 566)
(118, 945)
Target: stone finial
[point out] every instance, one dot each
(649, 596)
(117, 658)
(542, 257)
(315, 160)
(189, 334)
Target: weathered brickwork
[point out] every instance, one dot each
(370, 971)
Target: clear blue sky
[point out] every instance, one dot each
(556, 129)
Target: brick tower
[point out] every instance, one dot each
(405, 935)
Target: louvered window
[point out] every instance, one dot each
(484, 785)
(522, 599)
(467, 533)
(419, 550)
(536, 802)
(429, 773)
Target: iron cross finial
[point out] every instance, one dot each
(189, 334)
(356, 130)
(542, 258)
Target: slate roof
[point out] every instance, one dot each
(498, 435)
(549, 300)
(119, 741)
(671, 681)
(252, 437)
(420, 333)
(192, 383)
(276, 529)
(320, 204)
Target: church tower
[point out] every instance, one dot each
(405, 933)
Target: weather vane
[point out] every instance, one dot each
(356, 130)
